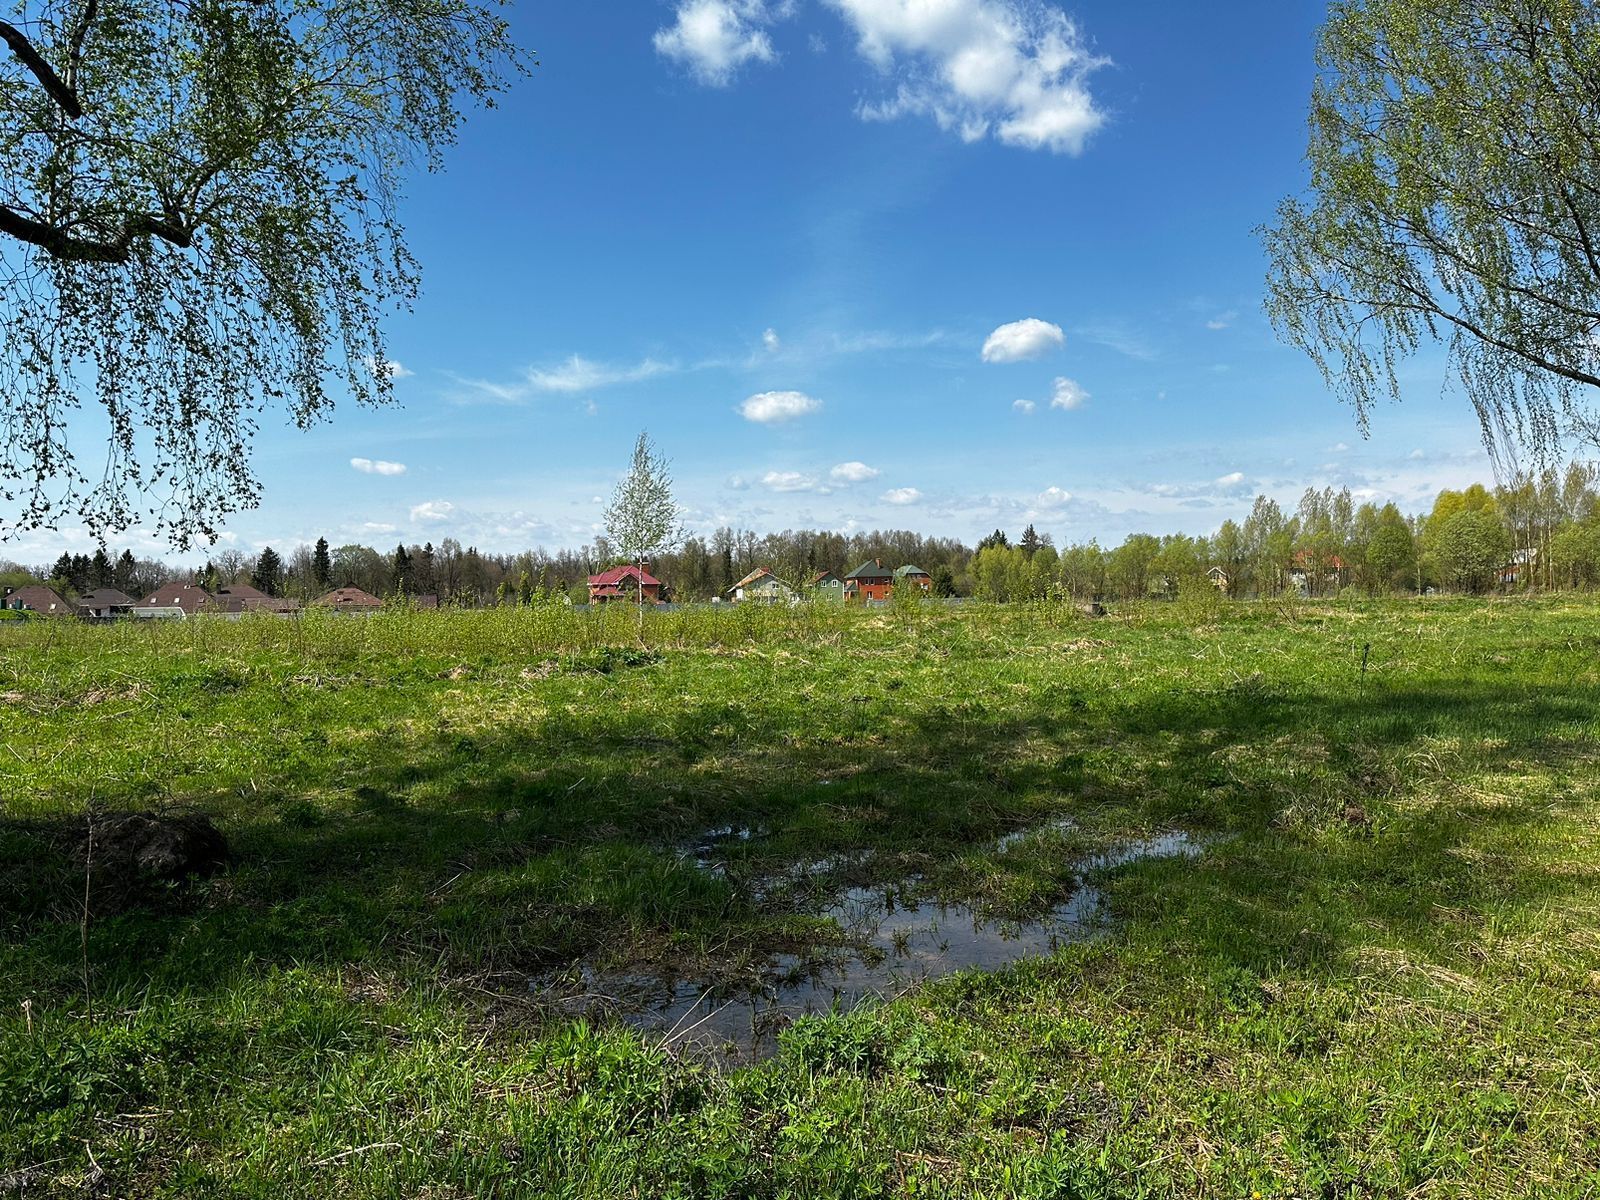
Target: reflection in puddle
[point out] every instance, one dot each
(898, 947)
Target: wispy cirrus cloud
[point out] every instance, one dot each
(573, 376)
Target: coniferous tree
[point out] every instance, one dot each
(321, 564)
(402, 570)
(126, 572)
(100, 570)
(1030, 542)
(996, 539)
(268, 575)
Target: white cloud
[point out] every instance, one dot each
(1018, 340)
(432, 510)
(852, 472)
(389, 367)
(788, 481)
(1232, 479)
(376, 527)
(714, 38)
(1053, 497)
(1024, 406)
(1222, 320)
(371, 466)
(769, 407)
(1010, 69)
(770, 339)
(1338, 448)
(1067, 394)
(903, 495)
(1416, 454)
(578, 374)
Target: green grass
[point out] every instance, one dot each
(1381, 979)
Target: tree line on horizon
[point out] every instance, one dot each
(1543, 529)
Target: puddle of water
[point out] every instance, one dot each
(900, 947)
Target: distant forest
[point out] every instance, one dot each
(1539, 531)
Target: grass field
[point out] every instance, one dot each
(1380, 976)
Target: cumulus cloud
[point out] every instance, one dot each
(767, 408)
(1024, 406)
(770, 339)
(1014, 70)
(1416, 454)
(1222, 320)
(1231, 480)
(852, 472)
(1338, 448)
(377, 466)
(388, 367)
(432, 510)
(902, 495)
(1067, 394)
(788, 481)
(714, 38)
(1053, 497)
(1019, 340)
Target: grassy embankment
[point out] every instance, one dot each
(1382, 978)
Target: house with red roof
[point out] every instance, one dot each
(175, 601)
(624, 583)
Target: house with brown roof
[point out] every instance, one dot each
(349, 599)
(825, 585)
(239, 598)
(175, 601)
(105, 604)
(36, 598)
(624, 583)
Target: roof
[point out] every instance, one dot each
(751, 578)
(616, 575)
(348, 597)
(871, 569)
(820, 576)
(105, 598)
(908, 569)
(187, 596)
(241, 591)
(1302, 561)
(40, 599)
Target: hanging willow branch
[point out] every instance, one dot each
(198, 207)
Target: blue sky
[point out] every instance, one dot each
(780, 235)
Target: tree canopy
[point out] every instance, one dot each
(1454, 195)
(199, 199)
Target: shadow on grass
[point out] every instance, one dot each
(515, 850)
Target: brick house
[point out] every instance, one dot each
(624, 583)
(913, 576)
(870, 581)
